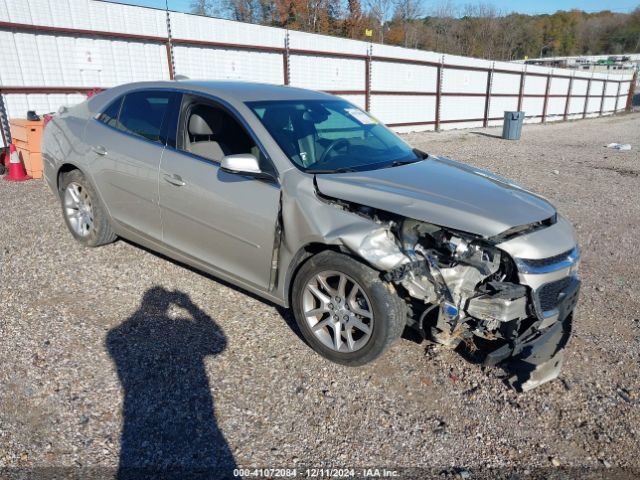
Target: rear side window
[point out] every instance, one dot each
(110, 115)
(142, 114)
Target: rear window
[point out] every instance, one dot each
(142, 114)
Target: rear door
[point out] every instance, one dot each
(225, 220)
(126, 141)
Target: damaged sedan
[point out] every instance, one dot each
(310, 202)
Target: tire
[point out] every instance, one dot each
(86, 218)
(375, 306)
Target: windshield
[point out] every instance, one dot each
(323, 136)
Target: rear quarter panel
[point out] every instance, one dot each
(63, 142)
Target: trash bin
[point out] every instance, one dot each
(512, 125)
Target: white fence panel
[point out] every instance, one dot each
(48, 60)
(593, 105)
(532, 106)
(406, 53)
(622, 99)
(228, 64)
(403, 109)
(559, 86)
(579, 86)
(324, 43)
(576, 105)
(499, 105)
(207, 29)
(327, 73)
(391, 76)
(464, 81)
(609, 104)
(555, 106)
(19, 104)
(113, 17)
(461, 108)
(596, 88)
(505, 83)
(612, 88)
(535, 85)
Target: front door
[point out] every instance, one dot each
(224, 220)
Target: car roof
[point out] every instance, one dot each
(237, 90)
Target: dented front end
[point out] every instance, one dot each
(512, 296)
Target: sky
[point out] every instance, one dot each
(504, 6)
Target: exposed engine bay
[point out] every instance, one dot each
(463, 288)
(467, 286)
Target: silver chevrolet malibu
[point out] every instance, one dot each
(310, 202)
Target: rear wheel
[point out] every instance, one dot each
(83, 213)
(344, 310)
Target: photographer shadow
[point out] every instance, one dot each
(169, 425)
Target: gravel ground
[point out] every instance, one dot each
(104, 349)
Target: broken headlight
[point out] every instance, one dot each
(380, 249)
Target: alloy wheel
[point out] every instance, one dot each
(338, 311)
(78, 209)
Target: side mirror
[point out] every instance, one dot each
(243, 164)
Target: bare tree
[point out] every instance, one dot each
(244, 10)
(206, 7)
(480, 29)
(442, 22)
(200, 7)
(408, 12)
(380, 10)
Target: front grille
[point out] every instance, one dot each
(548, 294)
(550, 264)
(545, 262)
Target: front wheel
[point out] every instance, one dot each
(344, 310)
(83, 213)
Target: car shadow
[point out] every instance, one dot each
(487, 135)
(285, 313)
(169, 425)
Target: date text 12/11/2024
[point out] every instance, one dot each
(315, 473)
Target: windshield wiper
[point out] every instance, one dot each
(335, 170)
(398, 163)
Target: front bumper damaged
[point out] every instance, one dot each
(537, 354)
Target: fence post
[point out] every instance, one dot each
(170, 60)
(546, 98)
(586, 98)
(521, 91)
(568, 102)
(615, 108)
(4, 122)
(604, 89)
(367, 78)
(487, 100)
(439, 92)
(632, 89)
(169, 46)
(285, 58)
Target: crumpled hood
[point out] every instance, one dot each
(443, 192)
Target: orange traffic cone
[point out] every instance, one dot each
(17, 172)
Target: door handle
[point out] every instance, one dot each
(99, 149)
(174, 179)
